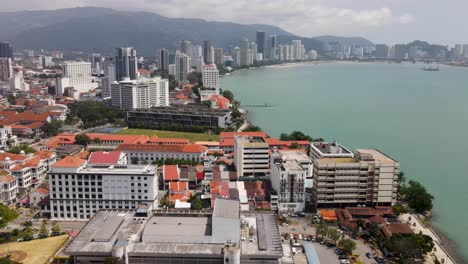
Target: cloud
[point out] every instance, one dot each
(303, 17)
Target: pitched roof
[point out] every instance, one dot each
(231, 135)
(69, 162)
(187, 148)
(43, 191)
(102, 157)
(126, 139)
(153, 140)
(328, 215)
(177, 187)
(5, 155)
(171, 173)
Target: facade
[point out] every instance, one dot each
(8, 187)
(381, 51)
(261, 42)
(367, 178)
(223, 235)
(236, 56)
(182, 67)
(289, 173)
(125, 64)
(208, 52)
(218, 56)
(273, 47)
(140, 94)
(184, 116)
(244, 52)
(210, 76)
(33, 169)
(251, 156)
(296, 52)
(163, 59)
(6, 69)
(79, 75)
(78, 189)
(109, 77)
(186, 48)
(61, 83)
(6, 50)
(148, 153)
(7, 137)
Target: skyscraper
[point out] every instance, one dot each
(79, 74)
(163, 59)
(219, 56)
(261, 42)
(273, 46)
(109, 77)
(186, 47)
(381, 51)
(125, 63)
(208, 56)
(236, 54)
(6, 50)
(253, 52)
(182, 64)
(296, 49)
(244, 52)
(6, 69)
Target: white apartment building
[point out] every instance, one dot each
(6, 69)
(210, 76)
(289, 173)
(8, 187)
(140, 94)
(78, 189)
(109, 77)
(251, 156)
(79, 74)
(340, 179)
(148, 153)
(6, 136)
(244, 52)
(33, 169)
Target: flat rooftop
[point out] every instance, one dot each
(376, 155)
(167, 229)
(331, 149)
(120, 169)
(296, 155)
(182, 110)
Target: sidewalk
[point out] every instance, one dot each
(417, 227)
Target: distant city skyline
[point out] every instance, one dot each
(382, 21)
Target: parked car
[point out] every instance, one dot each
(300, 214)
(343, 256)
(299, 237)
(309, 238)
(379, 259)
(338, 251)
(368, 255)
(313, 239)
(344, 261)
(285, 224)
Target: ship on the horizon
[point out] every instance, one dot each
(431, 68)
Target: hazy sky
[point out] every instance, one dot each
(389, 21)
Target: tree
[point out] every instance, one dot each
(417, 196)
(424, 242)
(236, 113)
(252, 129)
(7, 215)
(6, 260)
(52, 128)
(399, 209)
(347, 245)
(195, 78)
(28, 233)
(196, 203)
(321, 229)
(11, 99)
(228, 94)
(113, 260)
(82, 139)
(333, 234)
(22, 147)
(294, 146)
(44, 231)
(56, 230)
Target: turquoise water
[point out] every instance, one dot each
(419, 118)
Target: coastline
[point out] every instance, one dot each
(450, 247)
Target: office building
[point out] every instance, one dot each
(96, 63)
(140, 94)
(244, 52)
(312, 54)
(197, 57)
(109, 77)
(273, 47)
(219, 56)
(163, 59)
(401, 51)
(182, 67)
(125, 64)
(261, 43)
(79, 188)
(6, 69)
(381, 51)
(189, 116)
(210, 76)
(79, 75)
(208, 52)
(251, 156)
(6, 50)
(61, 83)
(341, 178)
(296, 52)
(221, 235)
(186, 47)
(253, 52)
(236, 56)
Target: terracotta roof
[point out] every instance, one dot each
(102, 157)
(396, 228)
(171, 173)
(30, 163)
(231, 135)
(227, 142)
(69, 161)
(126, 139)
(6, 177)
(44, 154)
(178, 187)
(187, 148)
(43, 191)
(328, 215)
(11, 156)
(163, 141)
(377, 219)
(183, 197)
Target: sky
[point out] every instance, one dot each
(381, 21)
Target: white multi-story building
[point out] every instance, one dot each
(33, 169)
(60, 84)
(79, 74)
(289, 173)
(244, 52)
(109, 77)
(251, 156)
(7, 137)
(253, 52)
(210, 76)
(296, 52)
(236, 56)
(148, 153)
(182, 67)
(344, 179)
(78, 189)
(8, 187)
(219, 56)
(6, 69)
(312, 54)
(140, 94)
(172, 69)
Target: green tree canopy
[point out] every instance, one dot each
(56, 230)
(347, 245)
(22, 147)
(417, 196)
(253, 129)
(7, 215)
(52, 128)
(82, 139)
(228, 94)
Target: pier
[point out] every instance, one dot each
(257, 105)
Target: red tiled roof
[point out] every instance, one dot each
(183, 197)
(171, 173)
(187, 148)
(11, 156)
(227, 142)
(177, 187)
(102, 157)
(43, 191)
(328, 215)
(163, 141)
(70, 162)
(231, 135)
(126, 139)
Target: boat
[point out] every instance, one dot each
(431, 68)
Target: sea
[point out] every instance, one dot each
(419, 118)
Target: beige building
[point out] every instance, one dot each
(251, 156)
(369, 177)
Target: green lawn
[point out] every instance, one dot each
(170, 134)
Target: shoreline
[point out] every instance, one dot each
(450, 247)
